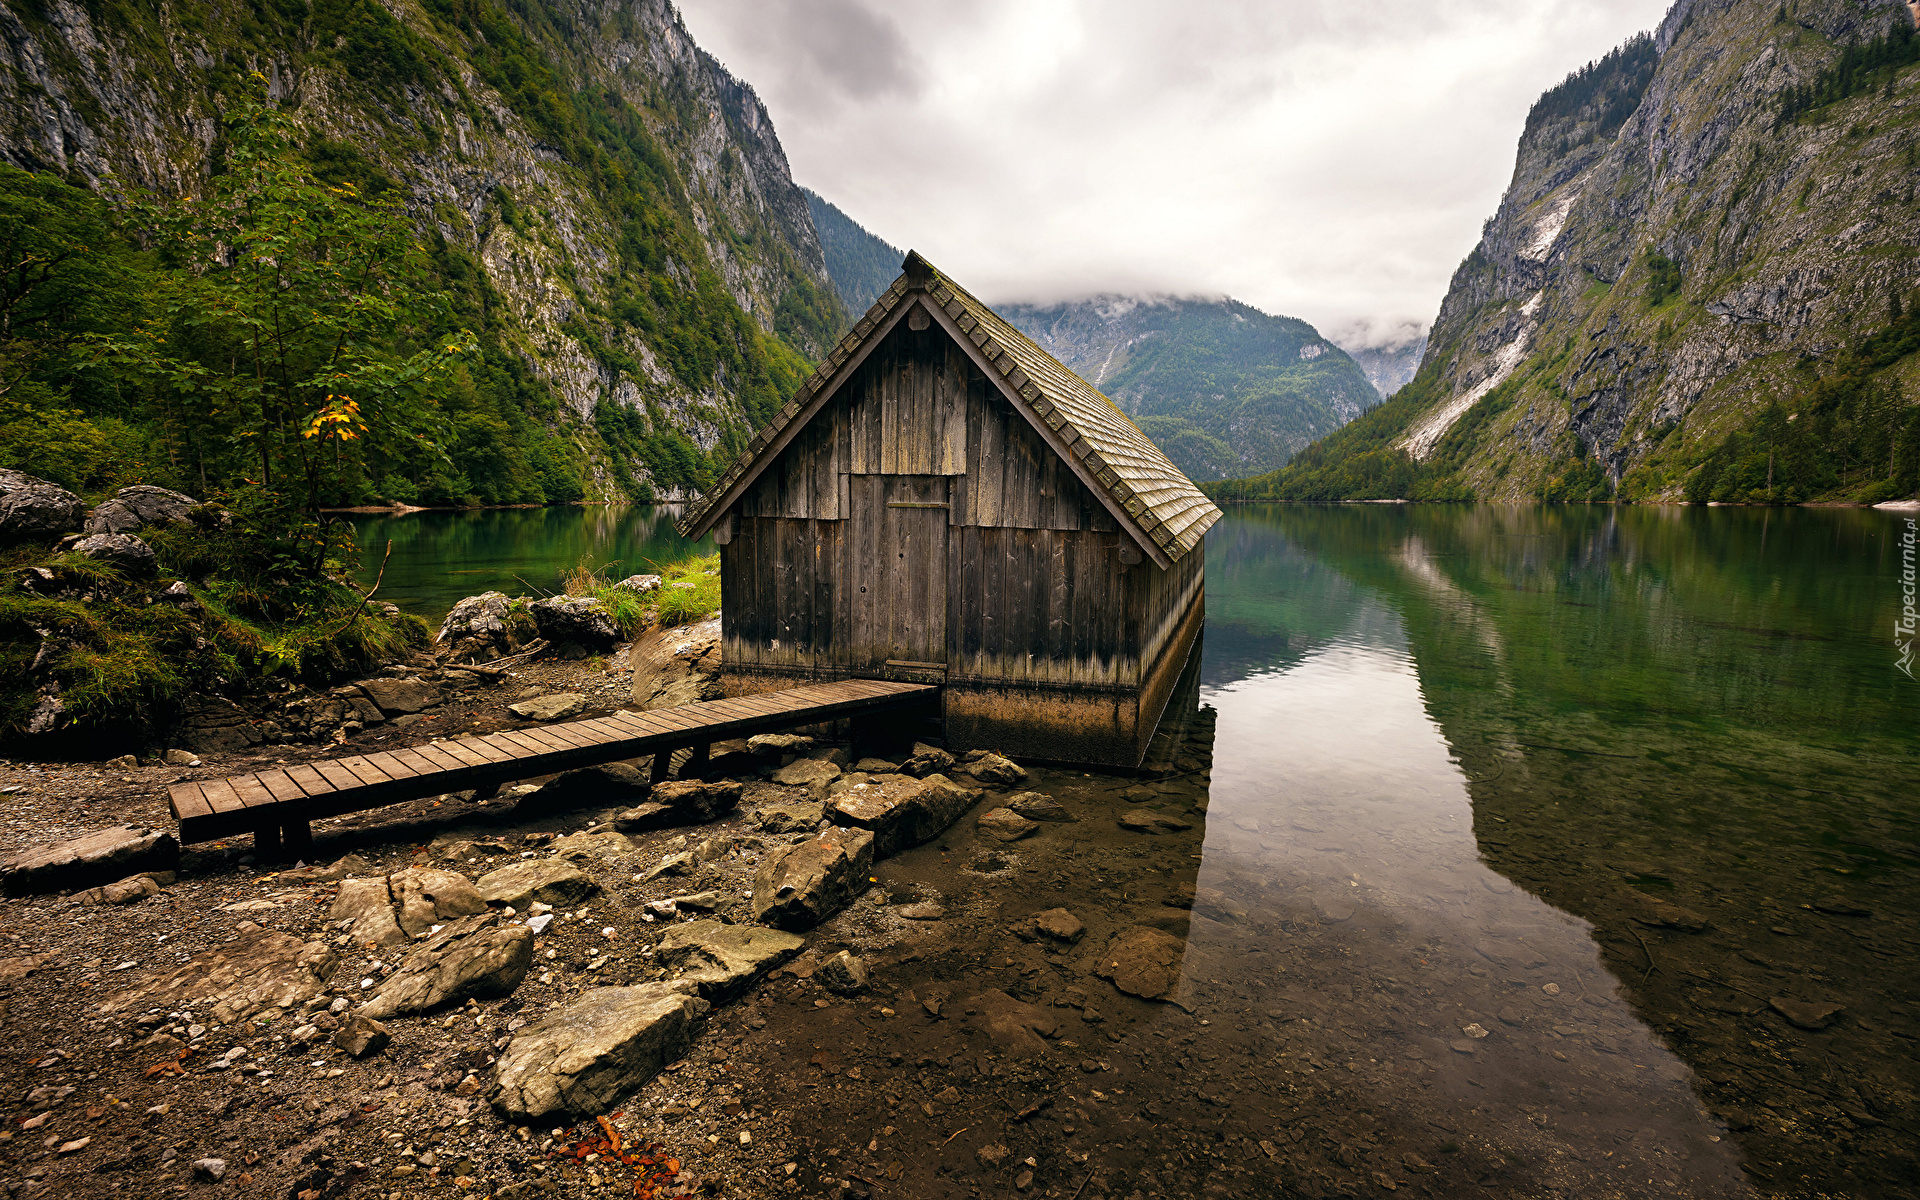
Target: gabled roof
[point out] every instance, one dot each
(1150, 497)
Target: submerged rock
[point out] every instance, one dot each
(1037, 807)
(1004, 825)
(1807, 1014)
(1014, 1028)
(1142, 961)
(580, 1058)
(722, 960)
(799, 886)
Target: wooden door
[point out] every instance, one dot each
(897, 573)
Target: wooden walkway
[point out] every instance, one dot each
(278, 804)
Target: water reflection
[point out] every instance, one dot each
(1652, 721)
(440, 556)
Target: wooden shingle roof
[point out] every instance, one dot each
(1147, 494)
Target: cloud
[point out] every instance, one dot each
(1311, 157)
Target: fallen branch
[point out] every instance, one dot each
(368, 598)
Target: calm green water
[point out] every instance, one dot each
(1618, 711)
(439, 557)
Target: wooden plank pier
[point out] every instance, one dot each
(277, 806)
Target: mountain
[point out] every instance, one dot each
(610, 208)
(1389, 367)
(1222, 388)
(1700, 284)
(860, 264)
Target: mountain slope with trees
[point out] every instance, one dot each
(1700, 285)
(1223, 388)
(860, 264)
(603, 208)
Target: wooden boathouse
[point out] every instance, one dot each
(944, 502)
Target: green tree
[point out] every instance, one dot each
(288, 344)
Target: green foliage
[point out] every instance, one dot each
(1602, 94)
(1663, 278)
(1199, 453)
(1861, 67)
(860, 264)
(689, 590)
(1356, 462)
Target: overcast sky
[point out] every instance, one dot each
(1317, 158)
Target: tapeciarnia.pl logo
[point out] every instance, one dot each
(1903, 628)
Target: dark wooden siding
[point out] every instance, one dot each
(1014, 479)
(779, 582)
(906, 407)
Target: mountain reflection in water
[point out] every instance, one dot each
(1648, 720)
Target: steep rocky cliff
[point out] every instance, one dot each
(1222, 387)
(615, 205)
(1700, 283)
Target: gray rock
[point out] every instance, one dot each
(1004, 825)
(844, 973)
(774, 745)
(694, 802)
(182, 758)
(392, 910)
(640, 583)
(608, 783)
(799, 886)
(811, 773)
(926, 760)
(791, 818)
(672, 864)
(121, 551)
(876, 766)
(925, 910)
(91, 860)
(396, 697)
(360, 1035)
(473, 957)
(261, 969)
(722, 960)
(1037, 807)
(34, 510)
(591, 846)
(582, 622)
(556, 707)
(210, 1170)
(1142, 961)
(125, 891)
(902, 811)
(550, 881)
(580, 1059)
(697, 901)
(1142, 820)
(996, 770)
(134, 508)
(485, 627)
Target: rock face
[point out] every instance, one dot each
(549, 880)
(485, 627)
(799, 886)
(902, 811)
(579, 1059)
(92, 860)
(121, 551)
(261, 969)
(576, 625)
(677, 666)
(475, 956)
(391, 910)
(135, 508)
(724, 960)
(33, 510)
(397, 697)
(1142, 961)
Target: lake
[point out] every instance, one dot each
(1580, 839)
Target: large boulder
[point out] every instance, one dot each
(579, 1059)
(995, 770)
(261, 969)
(799, 886)
(576, 625)
(926, 760)
(721, 960)
(393, 909)
(485, 627)
(91, 860)
(814, 774)
(473, 957)
(902, 811)
(121, 551)
(551, 881)
(676, 666)
(397, 697)
(34, 510)
(135, 508)
(556, 706)
(607, 783)
(681, 802)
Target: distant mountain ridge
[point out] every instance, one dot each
(1390, 367)
(860, 264)
(1223, 388)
